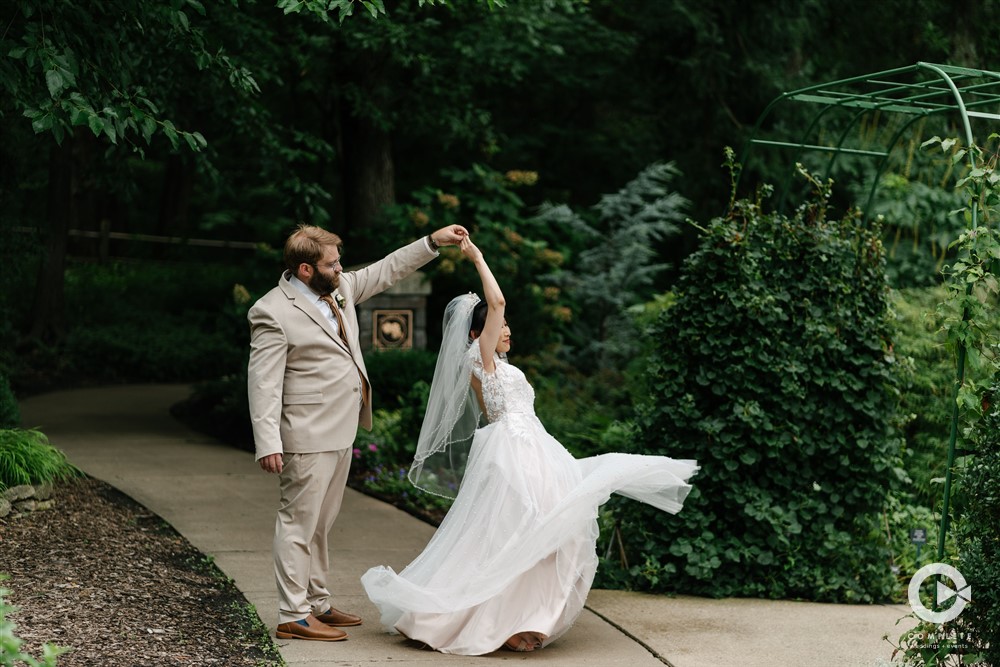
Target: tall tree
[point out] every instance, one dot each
(419, 82)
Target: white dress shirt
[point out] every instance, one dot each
(323, 306)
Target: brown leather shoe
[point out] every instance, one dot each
(313, 629)
(339, 618)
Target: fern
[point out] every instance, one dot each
(619, 265)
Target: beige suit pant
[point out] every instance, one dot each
(312, 490)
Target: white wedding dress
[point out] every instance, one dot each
(516, 552)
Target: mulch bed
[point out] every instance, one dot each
(102, 575)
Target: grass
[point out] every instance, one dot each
(26, 457)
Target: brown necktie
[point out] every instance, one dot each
(343, 336)
(328, 298)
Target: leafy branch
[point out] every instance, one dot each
(322, 9)
(973, 282)
(59, 90)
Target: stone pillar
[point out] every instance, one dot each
(396, 319)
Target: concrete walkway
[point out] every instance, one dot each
(224, 505)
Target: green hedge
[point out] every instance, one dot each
(165, 351)
(775, 372)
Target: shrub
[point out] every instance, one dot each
(220, 408)
(900, 519)
(929, 644)
(525, 252)
(170, 351)
(144, 322)
(918, 226)
(382, 458)
(978, 531)
(775, 372)
(26, 457)
(583, 419)
(10, 414)
(394, 374)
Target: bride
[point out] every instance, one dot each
(512, 562)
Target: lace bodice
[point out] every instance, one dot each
(506, 391)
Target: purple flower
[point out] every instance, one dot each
(357, 453)
(372, 447)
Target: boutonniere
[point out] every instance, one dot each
(341, 301)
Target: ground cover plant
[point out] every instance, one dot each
(26, 457)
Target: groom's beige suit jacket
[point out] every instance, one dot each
(303, 384)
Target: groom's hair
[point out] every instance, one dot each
(478, 318)
(306, 244)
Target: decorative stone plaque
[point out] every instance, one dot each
(392, 329)
(396, 319)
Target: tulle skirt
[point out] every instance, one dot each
(517, 551)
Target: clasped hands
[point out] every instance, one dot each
(450, 235)
(458, 235)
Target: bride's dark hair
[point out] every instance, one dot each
(478, 318)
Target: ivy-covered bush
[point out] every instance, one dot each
(775, 371)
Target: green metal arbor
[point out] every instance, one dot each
(898, 98)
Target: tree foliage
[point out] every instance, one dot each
(775, 371)
(523, 252)
(106, 67)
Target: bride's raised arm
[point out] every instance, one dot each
(489, 337)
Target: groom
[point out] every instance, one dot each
(309, 391)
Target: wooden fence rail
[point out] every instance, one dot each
(105, 235)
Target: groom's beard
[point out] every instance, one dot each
(323, 284)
